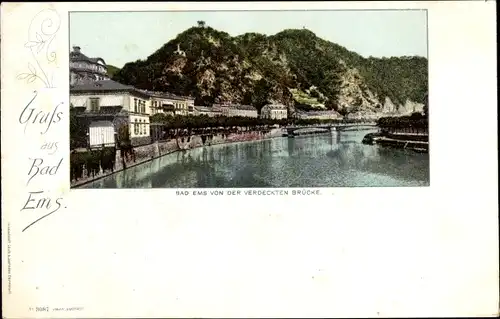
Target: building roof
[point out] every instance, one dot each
(314, 113)
(236, 106)
(275, 106)
(207, 109)
(77, 55)
(103, 86)
(166, 95)
(216, 108)
(103, 110)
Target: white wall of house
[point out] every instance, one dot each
(140, 103)
(139, 125)
(105, 100)
(245, 113)
(101, 133)
(138, 122)
(274, 112)
(278, 114)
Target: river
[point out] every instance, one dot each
(336, 159)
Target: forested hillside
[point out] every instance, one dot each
(293, 67)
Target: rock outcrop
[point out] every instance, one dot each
(293, 67)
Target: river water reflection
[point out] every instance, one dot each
(335, 159)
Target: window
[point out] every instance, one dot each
(143, 108)
(135, 106)
(144, 128)
(136, 128)
(94, 104)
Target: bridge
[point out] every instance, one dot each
(330, 127)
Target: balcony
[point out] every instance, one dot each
(167, 107)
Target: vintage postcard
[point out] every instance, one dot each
(273, 102)
(249, 159)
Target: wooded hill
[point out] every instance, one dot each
(293, 67)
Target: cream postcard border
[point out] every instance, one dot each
(351, 252)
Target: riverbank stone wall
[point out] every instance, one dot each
(139, 141)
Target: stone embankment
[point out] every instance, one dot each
(142, 154)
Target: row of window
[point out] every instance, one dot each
(87, 77)
(90, 66)
(236, 113)
(275, 112)
(177, 105)
(139, 106)
(140, 127)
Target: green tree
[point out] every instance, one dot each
(252, 68)
(77, 130)
(124, 135)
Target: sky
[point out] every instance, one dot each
(121, 37)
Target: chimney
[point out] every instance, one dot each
(76, 49)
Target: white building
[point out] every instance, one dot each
(209, 111)
(101, 105)
(83, 69)
(237, 110)
(274, 112)
(170, 104)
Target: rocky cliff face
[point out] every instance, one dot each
(354, 95)
(293, 67)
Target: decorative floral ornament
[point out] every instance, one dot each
(47, 23)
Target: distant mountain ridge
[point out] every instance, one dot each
(293, 67)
